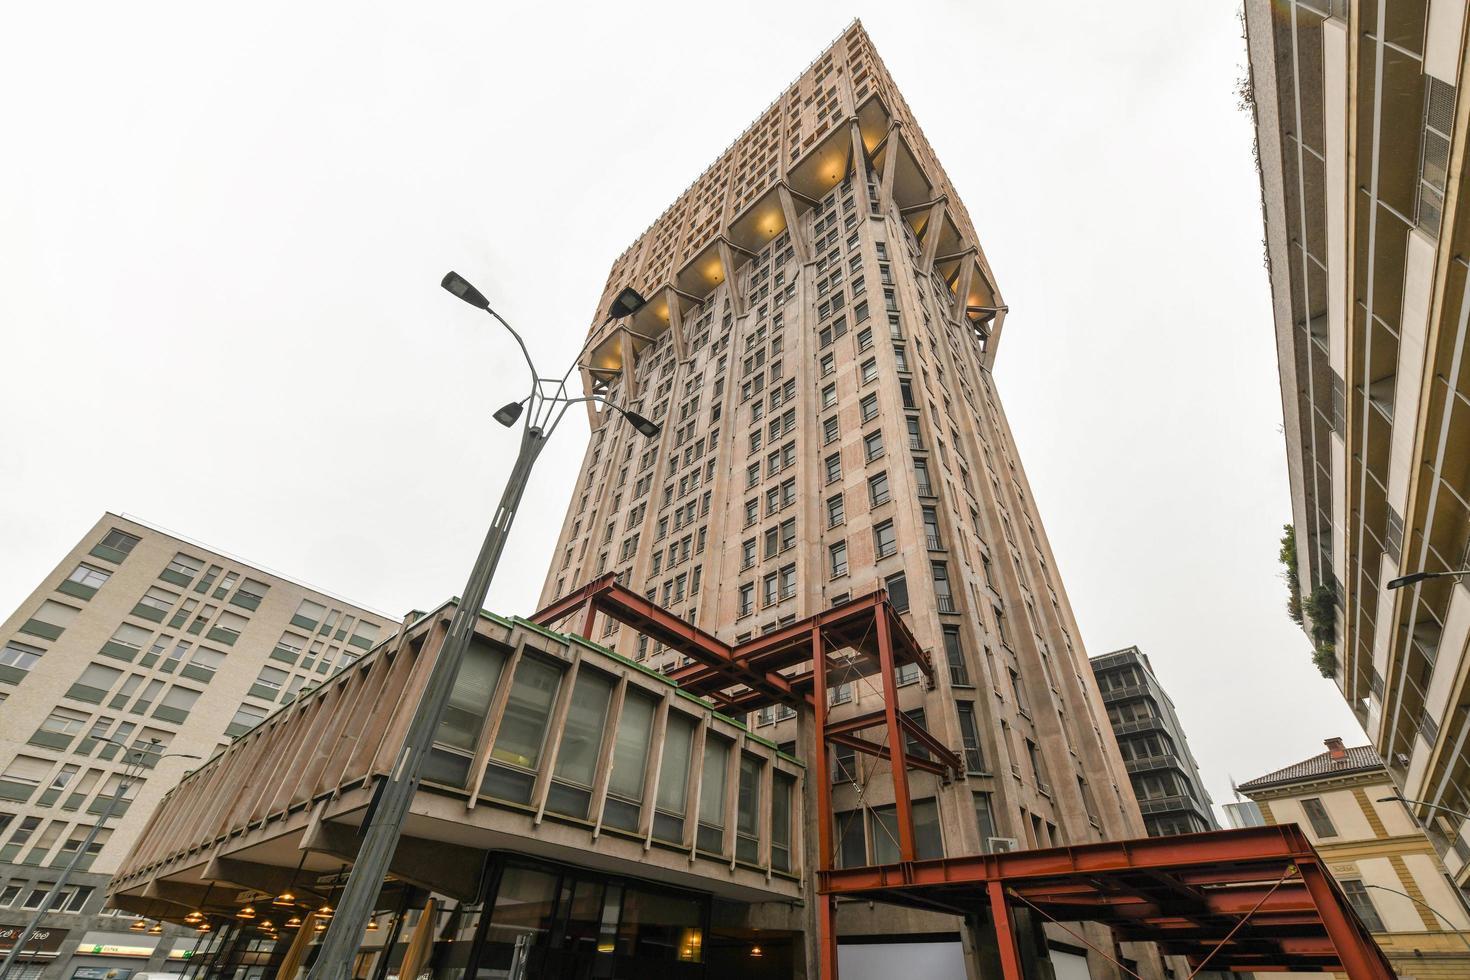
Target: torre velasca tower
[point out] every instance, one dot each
(818, 343)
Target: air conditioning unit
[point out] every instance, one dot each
(999, 845)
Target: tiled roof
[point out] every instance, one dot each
(1360, 758)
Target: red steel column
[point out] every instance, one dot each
(589, 619)
(1005, 932)
(826, 904)
(1359, 961)
(897, 744)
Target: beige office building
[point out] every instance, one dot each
(818, 345)
(136, 637)
(1361, 138)
(1377, 852)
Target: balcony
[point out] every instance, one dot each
(945, 603)
(1152, 763)
(932, 541)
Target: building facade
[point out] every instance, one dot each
(818, 344)
(138, 645)
(1361, 135)
(1344, 800)
(1166, 780)
(1244, 813)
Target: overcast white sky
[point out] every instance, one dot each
(222, 229)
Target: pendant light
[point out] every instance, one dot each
(288, 897)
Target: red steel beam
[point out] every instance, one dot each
(903, 805)
(926, 738)
(882, 751)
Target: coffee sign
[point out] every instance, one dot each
(42, 942)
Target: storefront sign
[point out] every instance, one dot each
(108, 949)
(43, 942)
(101, 973)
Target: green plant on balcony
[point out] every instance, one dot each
(1321, 610)
(1287, 557)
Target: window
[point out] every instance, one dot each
(673, 778)
(898, 591)
(630, 759)
(130, 636)
(522, 734)
(581, 742)
(1362, 902)
(837, 558)
(869, 370)
(878, 489)
(183, 568)
(829, 364)
(712, 779)
(86, 580)
(959, 673)
(788, 581)
(161, 600)
(20, 657)
(885, 541)
(270, 678)
(50, 620)
(1317, 815)
(747, 553)
(927, 840)
(116, 545)
(873, 445)
(747, 598)
(833, 466)
(942, 595)
(834, 510)
(747, 810)
(869, 406)
(782, 789)
(970, 737)
(247, 716)
(985, 820)
(308, 614)
(829, 396)
(830, 430)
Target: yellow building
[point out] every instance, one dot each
(1346, 803)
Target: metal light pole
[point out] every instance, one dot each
(1412, 577)
(131, 771)
(1440, 915)
(544, 409)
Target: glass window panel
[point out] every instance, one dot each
(712, 782)
(474, 686)
(630, 751)
(673, 778)
(523, 729)
(576, 759)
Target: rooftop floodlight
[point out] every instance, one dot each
(460, 286)
(643, 425)
(628, 302)
(508, 414)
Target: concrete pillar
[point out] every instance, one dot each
(808, 966)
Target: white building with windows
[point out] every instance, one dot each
(1344, 800)
(136, 640)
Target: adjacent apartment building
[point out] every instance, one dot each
(818, 343)
(1166, 780)
(1361, 137)
(1345, 801)
(137, 640)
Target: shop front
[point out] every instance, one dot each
(43, 946)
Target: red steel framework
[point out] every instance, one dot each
(1257, 899)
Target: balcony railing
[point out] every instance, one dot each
(945, 603)
(932, 540)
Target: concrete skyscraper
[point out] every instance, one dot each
(1361, 136)
(818, 344)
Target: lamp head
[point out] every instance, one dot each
(644, 426)
(1409, 579)
(460, 286)
(507, 414)
(628, 302)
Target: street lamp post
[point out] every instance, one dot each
(1401, 798)
(543, 409)
(1440, 915)
(1412, 577)
(131, 771)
